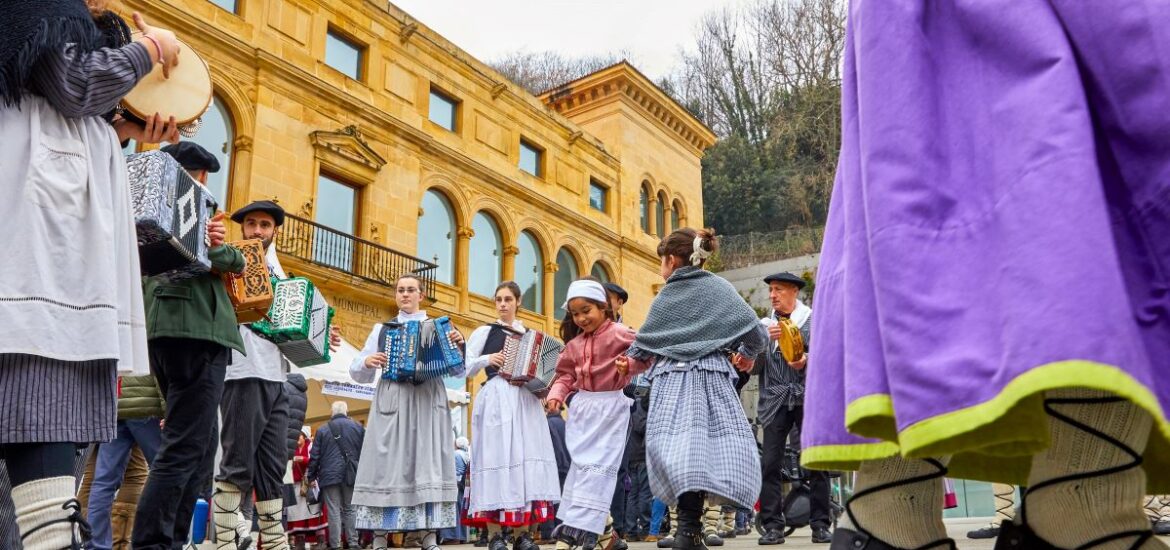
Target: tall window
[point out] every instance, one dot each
(600, 273)
(229, 5)
(675, 208)
(436, 235)
(660, 214)
(216, 136)
(443, 109)
(484, 265)
(344, 54)
(644, 204)
(336, 209)
(598, 196)
(566, 274)
(531, 158)
(529, 273)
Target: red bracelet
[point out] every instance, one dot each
(157, 46)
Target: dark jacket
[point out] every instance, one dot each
(139, 397)
(298, 402)
(327, 461)
(636, 440)
(556, 428)
(198, 307)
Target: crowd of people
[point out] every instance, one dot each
(951, 335)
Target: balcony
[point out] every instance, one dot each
(321, 245)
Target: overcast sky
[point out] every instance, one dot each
(652, 30)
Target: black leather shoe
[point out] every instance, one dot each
(713, 540)
(620, 544)
(498, 542)
(524, 542)
(727, 534)
(988, 532)
(821, 535)
(666, 542)
(771, 537)
(688, 540)
(1012, 537)
(848, 539)
(1162, 527)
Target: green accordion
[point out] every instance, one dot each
(298, 322)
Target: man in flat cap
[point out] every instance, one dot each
(617, 299)
(781, 410)
(196, 160)
(255, 414)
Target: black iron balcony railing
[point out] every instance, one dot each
(316, 243)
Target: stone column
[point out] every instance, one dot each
(549, 287)
(463, 264)
(509, 263)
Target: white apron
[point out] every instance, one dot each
(596, 437)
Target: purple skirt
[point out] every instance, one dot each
(999, 227)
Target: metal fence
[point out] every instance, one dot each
(737, 251)
(313, 242)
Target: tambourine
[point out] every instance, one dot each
(791, 342)
(185, 95)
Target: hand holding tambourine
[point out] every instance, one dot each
(164, 48)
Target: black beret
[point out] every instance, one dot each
(614, 288)
(785, 278)
(269, 207)
(192, 157)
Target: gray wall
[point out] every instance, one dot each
(749, 281)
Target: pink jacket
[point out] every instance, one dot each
(587, 363)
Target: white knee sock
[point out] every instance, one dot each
(431, 539)
(1005, 503)
(225, 506)
(1072, 513)
(272, 535)
(907, 516)
(381, 540)
(41, 503)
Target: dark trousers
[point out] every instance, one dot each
(638, 500)
(772, 491)
(190, 374)
(255, 437)
(617, 506)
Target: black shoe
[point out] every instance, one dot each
(498, 542)
(821, 535)
(666, 542)
(1162, 527)
(525, 542)
(771, 537)
(482, 541)
(620, 544)
(848, 539)
(727, 534)
(689, 540)
(713, 540)
(988, 532)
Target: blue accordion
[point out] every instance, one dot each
(418, 351)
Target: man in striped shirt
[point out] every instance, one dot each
(781, 410)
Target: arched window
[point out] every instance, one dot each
(675, 213)
(600, 273)
(660, 214)
(529, 273)
(486, 261)
(644, 203)
(566, 274)
(216, 135)
(436, 235)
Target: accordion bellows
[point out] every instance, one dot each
(531, 358)
(171, 212)
(417, 351)
(298, 322)
(250, 291)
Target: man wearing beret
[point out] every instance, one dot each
(192, 329)
(781, 410)
(196, 160)
(617, 297)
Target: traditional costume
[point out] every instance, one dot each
(995, 274)
(70, 292)
(254, 414)
(515, 468)
(304, 519)
(598, 420)
(698, 441)
(406, 473)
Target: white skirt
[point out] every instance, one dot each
(596, 437)
(513, 461)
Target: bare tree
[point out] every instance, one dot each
(539, 72)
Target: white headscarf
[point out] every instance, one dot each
(591, 290)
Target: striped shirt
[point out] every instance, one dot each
(781, 386)
(90, 84)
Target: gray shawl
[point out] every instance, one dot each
(694, 315)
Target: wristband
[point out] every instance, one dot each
(157, 47)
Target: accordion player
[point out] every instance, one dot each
(171, 214)
(531, 358)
